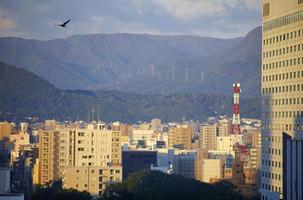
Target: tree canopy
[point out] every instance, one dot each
(151, 185)
(54, 191)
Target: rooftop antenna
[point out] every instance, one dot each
(98, 113)
(93, 113)
(88, 117)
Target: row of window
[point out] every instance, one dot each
(283, 51)
(271, 163)
(274, 139)
(282, 76)
(285, 114)
(271, 151)
(271, 187)
(288, 101)
(271, 176)
(283, 127)
(279, 89)
(283, 63)
(283, 21)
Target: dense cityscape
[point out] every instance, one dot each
(68, 133)
(88, 156)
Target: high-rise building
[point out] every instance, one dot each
(48, 156)
(282, 88)
(208, 137)
(181, 137)
(92, 146)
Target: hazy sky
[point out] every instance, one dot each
(215, 18)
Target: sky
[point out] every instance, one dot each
(213, 18)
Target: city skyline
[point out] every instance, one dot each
(136, 115)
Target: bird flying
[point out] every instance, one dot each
(64, 24)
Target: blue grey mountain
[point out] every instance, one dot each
(141, 63)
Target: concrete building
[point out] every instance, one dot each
(282, 66)
(180, 137)
(208, 137)
(92, 179)
(48, 156)
(93, 145)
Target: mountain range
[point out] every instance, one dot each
(142, 63)
(24, 94)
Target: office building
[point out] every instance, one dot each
(282, 89)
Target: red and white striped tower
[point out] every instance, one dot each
(236, 110)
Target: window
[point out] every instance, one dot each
(266, 9)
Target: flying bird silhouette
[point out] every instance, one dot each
(64, 24)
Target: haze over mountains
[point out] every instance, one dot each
(24, 94)
(142, 63)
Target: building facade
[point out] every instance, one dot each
(181, 137)
(208, 137)
(282, 88)
(294, 169)
(91, 146)
(91, 179)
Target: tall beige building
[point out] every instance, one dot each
(282, 87)
(48, 156)
(208, 137)
(181, 136)
(92, 146)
